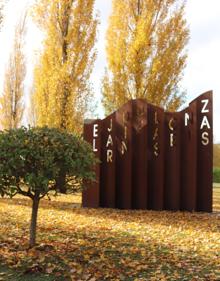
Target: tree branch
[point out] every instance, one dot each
(153, 26)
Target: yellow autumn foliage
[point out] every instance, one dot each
(106, 244)
(146, 54)
(62, 91)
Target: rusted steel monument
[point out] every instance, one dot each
(152, 159)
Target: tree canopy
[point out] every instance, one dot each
(146, 53)
(62, 89)
(12, 100)
(31, 161)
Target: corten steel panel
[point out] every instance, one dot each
(108, 157)
(139, 145)
(158, 160)
(172, 161)
(92, 134)
(188, 158)
(124, 157)
(205, 152)
(155, 153)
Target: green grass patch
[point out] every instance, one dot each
(216, 175)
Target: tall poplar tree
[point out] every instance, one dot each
(12, 100)
(146, 53)
(1, 12)
(61, 80)
(31, 109)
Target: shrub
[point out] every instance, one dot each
(31, 161)
(216, 155)
(216, 175)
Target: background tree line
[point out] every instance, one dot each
(146, 56)
(216, 163)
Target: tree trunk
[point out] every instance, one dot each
(33, 226)
(61, 182)
(139, 7)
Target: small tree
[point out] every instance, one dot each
(31, 161)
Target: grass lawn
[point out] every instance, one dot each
(103, 244)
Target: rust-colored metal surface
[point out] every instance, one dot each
(155, 154)
(124, 157)
(204, 152)
(172, 161)
(188, 158)
(152, 159)
(108, 165)
(92, 134)
(139, 155)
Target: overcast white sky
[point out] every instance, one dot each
(201, 74)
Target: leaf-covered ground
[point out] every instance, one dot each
(87, 244)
